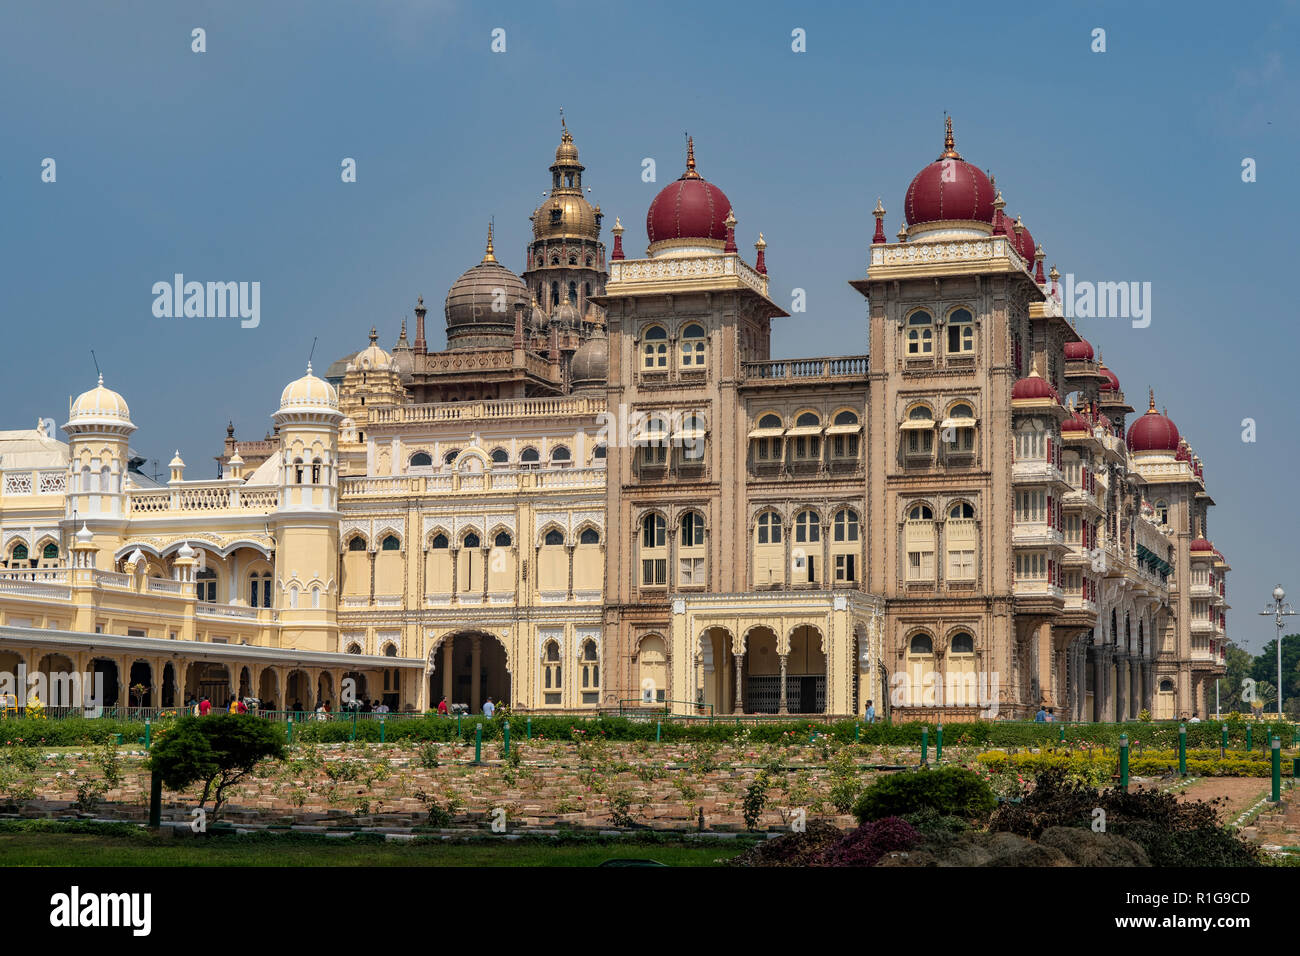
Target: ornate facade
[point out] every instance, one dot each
(605, 492)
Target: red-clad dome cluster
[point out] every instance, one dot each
(1035, 386)
(949, 189)
(1153, 432)
(1079, 351)
(689, 208)
(1201, 545)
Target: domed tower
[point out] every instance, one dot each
(306, 522)
(99, 426)
(566, 259)
(950, 199)
(372, 380)
(480, 306)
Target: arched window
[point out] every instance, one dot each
(846, 525)
(471, 540)
(807, 527)
(503, 539)
(844, 432)
(357, 543)
(807, 437)
(500, 456)
(654, 552)
(920, 670)
(573, 260)
(919, 537)
(51, 552)
(315, 471)
(439, 542)
(450, 457)
(420, 460)
(962, 541)
(846, 418)
(1162, 511)
(528, 459)
(259, 595)
(553, 538)
(767, 438)
(844, 546)
(959, 429)
(555, 286)
(390, 650)
(652, 664)
(590, 673)
(19, 552)
(920, 335)
(960, 686)
(961, 332)
(391, 543)
(961, 510)
(205, 585)
(920, 430)
(769, 528)
(921, 644)
(692, 346)
(551, 673)
(769, 421)
(559, 453)
(692, 530)
(573, 292)
(589, 536)
(654, 350)
(807, 531)
(353, 648)
(599, 453)
(297, 471)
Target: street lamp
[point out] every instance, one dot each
(1278, 610)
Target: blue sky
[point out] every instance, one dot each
(1126, 165)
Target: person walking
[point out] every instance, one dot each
(1041, 716)
(488, 708)
(871, 712)
(205, 707)
(442, 707)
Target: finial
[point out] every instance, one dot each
(760, 260)
(1152, 393)
(1038, 265)
(101, 379)
(902, 234)
(403, 335)
(618, 226)
(489, 255)
(690, 160)
(1018, 225)
(617, 254)
(374, 335)
(419, 301)
(949, 146)
(761, 243)
(730, 223)
(879, 213)
(309, 366)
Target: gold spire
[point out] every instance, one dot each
(618, 227)
(949, 146)
(690, 160)
(761, 243)
(879, 211)
(1152, 393)
(374, 335)
(489, 255)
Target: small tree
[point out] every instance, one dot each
(215, 751)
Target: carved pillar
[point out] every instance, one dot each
(569, 553)
(783, 708)
(740, 686)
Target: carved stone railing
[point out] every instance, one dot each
(626, 275)
(504, 409)
(848, 366)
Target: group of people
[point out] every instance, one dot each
(489, 708)
(202, 706)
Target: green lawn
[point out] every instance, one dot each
(52, 847)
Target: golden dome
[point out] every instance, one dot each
(566, 153)
(99, 406)
(309, 393)
(576, 218)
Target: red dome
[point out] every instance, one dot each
(949, 188)
(1200, 544)
(1153, 432)
(1076, 423)
(1112, 381)
(1079, 351)
(1035, 386)
(688, 208)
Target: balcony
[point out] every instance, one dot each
(848, 368)
(501, 410)
(1036, 535)
(1037, 471)
(204, 497)
(1205, 626)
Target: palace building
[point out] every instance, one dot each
(607, 493)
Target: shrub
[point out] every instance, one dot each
(1172, 832)
(215, 751)
(951, 790)
(755, 800)
(792, 849)
(871, 841)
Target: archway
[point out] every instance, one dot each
(140, 675)
(168, 690)
(298, 695)
(1164, 709)
(717, 669)
(211, 681)
(266, 690)
(806, 672)
(59, 686)
(762, 672)
(479, 671)
(106, 670)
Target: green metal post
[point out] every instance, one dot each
(1249, 748)
(354, 725)
(530, 727)
(457, 726)
(382, 730)
(1062, 737)
(1182, 750)
(1123, 761)
(505, 739)
(289, 725)
(1223, 741)
(938, 745)
(1277, 769)
(659, 730)
(478, 744)
(148, 733)
(857, 732)
(925, 743)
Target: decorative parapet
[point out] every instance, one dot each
(900, 260)
(204, 496)
(683, 273)
(804, 370)
(500, 410)
(33, 482)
